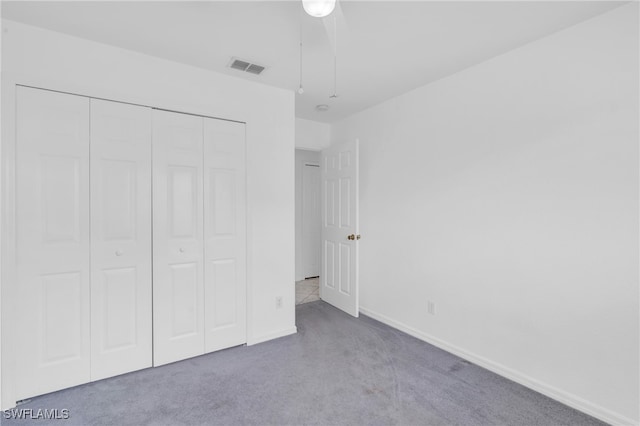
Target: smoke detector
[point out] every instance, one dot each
(246, 66)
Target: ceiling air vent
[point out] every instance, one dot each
(239, 64)
(255, 69)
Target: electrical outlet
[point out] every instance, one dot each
(431, 307)
(279, 302)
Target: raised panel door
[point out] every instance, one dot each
(178, 270)
(339, 272)
(225, 234)
(121, 316)
(52, 230)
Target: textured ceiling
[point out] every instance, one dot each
(384, 48)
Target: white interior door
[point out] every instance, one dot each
(52, 173)
(178, 290)
(339, 276)
(121, 336)
(311, 221)
(225, 234)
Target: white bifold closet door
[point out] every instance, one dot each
(178, 290)
(199, 254)
(83, 212)
(86, 305)
(53, 248)
(121, 333)
(225, 234)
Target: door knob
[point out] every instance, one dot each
(118, 252)
(353, 237)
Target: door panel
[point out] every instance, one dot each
(120, 238)
(61, 317)
(52, 215)
(119, 312)
(61, 198)
(222, 201)
(329, 276)
(345, 269)
(339, 277)
(118, 195)
(223, 287)
(183, 201)
(225, 234)
(178, 288)
(184, 303)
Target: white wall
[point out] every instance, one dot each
(508, 195)
(302, 157)
(312, 135)
(42, 58)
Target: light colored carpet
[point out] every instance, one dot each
(337, 370)
(307, 290)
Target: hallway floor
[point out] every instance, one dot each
(307, 290)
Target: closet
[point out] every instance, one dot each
(131, 238)
(199, 235)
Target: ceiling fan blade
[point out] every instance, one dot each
(336, 17)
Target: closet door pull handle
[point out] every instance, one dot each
(181, 250)
(118, 252)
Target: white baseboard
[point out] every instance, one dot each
(566, 398)
(270, 336)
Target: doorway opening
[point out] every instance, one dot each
(308, 225)
(327, 236)
(307, 290)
